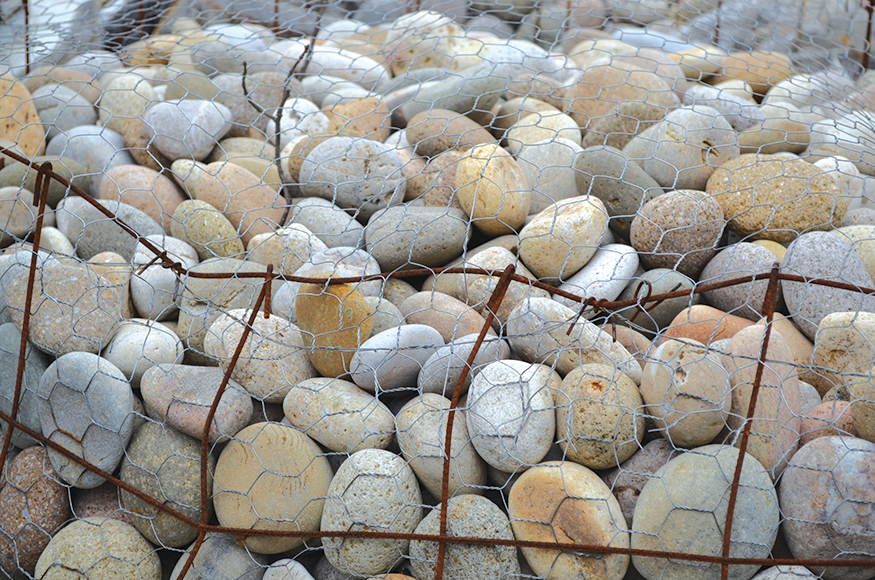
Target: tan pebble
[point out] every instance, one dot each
(145, 189)
(151, 51)
(126, 97)
(206, 229)
(138, 140)
(776, 421)
(368, 118)
(287, 248)
(334, 320)
(422, 429)
(452, 318)
(560, 240)
(493, 190)
(599, 422)
(273, 356)
(566, 503)
(828, 419)
(685, 388)
(20, 122)
(17, 214)
(437, 130)
(83, 83)
(251, 207)
(265, 462)
(761, 70)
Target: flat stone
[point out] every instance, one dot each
(263, 462)
(92, 232)
(416, 237)
(181, 396)
(139, 344)
(154, 287)
(604, 277)
(450, 317)
(187, 129)
(86, 406)
(737, 261)
(392, 359)
(206, 229)
(693, 490)
(441, 372)
(145, 189)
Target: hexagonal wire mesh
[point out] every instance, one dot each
(328, 290)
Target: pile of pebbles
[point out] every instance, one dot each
(609, 166)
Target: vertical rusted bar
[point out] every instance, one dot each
(42, 193)
(27, 37)
(205, 436)
(717, 13)
(769, 307)
(268, 280)
(491, 307)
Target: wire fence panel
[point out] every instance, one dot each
(437, 289)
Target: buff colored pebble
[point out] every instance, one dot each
(691, 492)
(422, 427)
(73, 308)
(776, 421)
(127, 96)
(102, 549)
(862, 240)
(33, 506)
(539, 126)
(826, 494)
(493, 190)
(560, 240)
(436, 130)
(263, 462)
(140, 344)
(686, 390)
(339, 415)
(678, 230)
(599, 422)
(785, 573)
(181, 396)
(206, 229)
(287, 249)
(467, 515)
(21, 123)
(165, 465)
(562, 502)
(764, 196)
(273, 356)
(510, 414)
(373, 490)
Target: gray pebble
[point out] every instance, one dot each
(221, 557)
(826, 256)
(736, 261)
(442, 370)
(164, 464)
(415, 237)
(356, 174)
(94, 148)
(620, 183)
(331, 224)
(187, 129)
(91, 232)
(86, 406)
(35, 364)
(661, 280)
(62, 109)
(392, 359)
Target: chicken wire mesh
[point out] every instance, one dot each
(437, 290)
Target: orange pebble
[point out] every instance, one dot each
(705, 324)
(829, 418)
